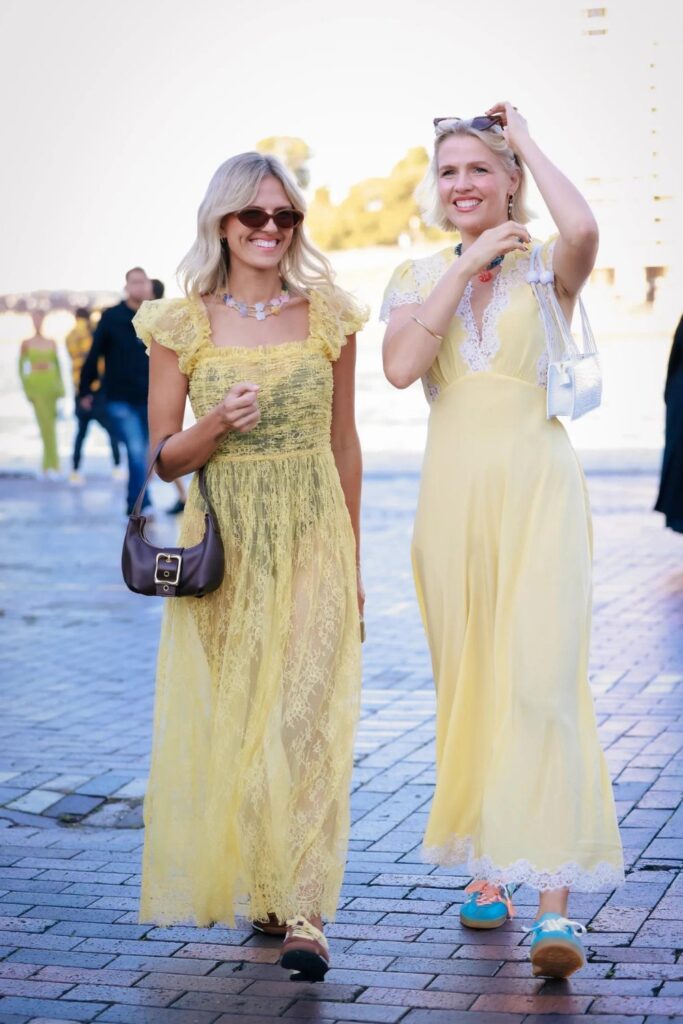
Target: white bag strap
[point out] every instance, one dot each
(559, 339)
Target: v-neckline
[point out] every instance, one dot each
(479, 329)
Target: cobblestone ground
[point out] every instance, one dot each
(78, 656)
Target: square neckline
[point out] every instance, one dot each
(204, 315)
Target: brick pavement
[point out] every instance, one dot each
(77, 668)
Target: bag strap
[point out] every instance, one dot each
(201, 480)
(554, 320)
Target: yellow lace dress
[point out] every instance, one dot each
(258, 683)
(502, 557)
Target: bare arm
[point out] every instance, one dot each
(344, 436)
(576, 248)
(188, 450)
(410, 349)
(345, 443)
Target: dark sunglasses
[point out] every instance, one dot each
(255, 217)
(480, 124)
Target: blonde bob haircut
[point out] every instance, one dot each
(427, 192)
(206, 267)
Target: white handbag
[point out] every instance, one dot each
(574, 374)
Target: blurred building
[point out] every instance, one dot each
(49, 301)
(629, 62)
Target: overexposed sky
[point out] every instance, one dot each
(117, 112)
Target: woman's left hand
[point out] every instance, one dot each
(360, 591)
(514, 126)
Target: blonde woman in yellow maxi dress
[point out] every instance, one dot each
(258, 683)
(502, 541)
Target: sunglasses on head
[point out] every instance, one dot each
(256, 217)
(480, 124)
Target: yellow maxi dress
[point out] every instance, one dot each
(502, 551)
(258, 683)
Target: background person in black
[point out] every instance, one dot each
(670, 499)
(126, 378)
(94, 405)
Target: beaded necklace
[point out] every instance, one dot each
(259, 310)
(484, 275)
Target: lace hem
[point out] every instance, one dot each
(603, 877)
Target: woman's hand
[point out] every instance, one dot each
(494, 242)
(240, 409)
(514, 126)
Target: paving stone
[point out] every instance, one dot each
(154, 1015)
(51, 1008)
(43, 957)
(317, 1010)
(69, 896)
(459, 1017)
(627, 1004)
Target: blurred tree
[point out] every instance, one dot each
(294, 153)
(377, 211)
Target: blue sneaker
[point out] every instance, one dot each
(556, 948)
(489, 905)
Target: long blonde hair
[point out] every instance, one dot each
(205, 268)
(427, 192)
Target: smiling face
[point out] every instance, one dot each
(260, 248)
(474, 184)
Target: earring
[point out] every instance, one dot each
(510, 201)
(224, 241)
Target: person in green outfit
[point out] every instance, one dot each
(41, 379)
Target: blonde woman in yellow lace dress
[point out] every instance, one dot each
(502, 542)
(258, 683)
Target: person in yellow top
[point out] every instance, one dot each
(92, 406)
(41, 379)
(502, 540)
(258, 683)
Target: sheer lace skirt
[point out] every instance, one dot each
(257, 700)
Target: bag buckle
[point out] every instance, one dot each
(164, 569)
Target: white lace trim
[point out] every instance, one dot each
(603, 877)
(430, 269)
(543, 359)
(426, 273)
(479, 349)
(395, 298)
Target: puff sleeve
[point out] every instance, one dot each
(332, 327)
(171, 323)
(401, 290)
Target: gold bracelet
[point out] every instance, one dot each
(439, 337)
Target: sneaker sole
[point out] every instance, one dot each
(470, 922)
(310, 966)
(554, 958)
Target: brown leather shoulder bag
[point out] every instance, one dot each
(168, 571)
